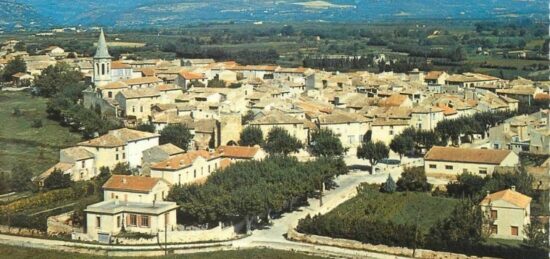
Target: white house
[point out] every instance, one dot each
(455, 161)
(130, 188)
(132, 204)
(508, 212)
(189, 168)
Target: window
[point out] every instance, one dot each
(112, 195)
(123, 155)
(155, 197)
(391, 132)
(118, 221)
(110, 94)
(494, 229)
(133, 109)
(482, 170)
(102, 69)
(514, 231)
(133, 220)
(141, 109)
(83, 163)
(179, 179)
(116, 149)
(145, 221)
(494, 214)
(98, 222)
(208, 168)
(433, 166)
(116, 156)
(195, 173)
(449, 167)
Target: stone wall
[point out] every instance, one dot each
(352, 244)
(21, 231)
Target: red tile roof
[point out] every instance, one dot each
(467, 155)
(238, 151)
(130, 183)
(509, 196)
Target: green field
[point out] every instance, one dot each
(22, 144)
(24, 253)
(408, 208)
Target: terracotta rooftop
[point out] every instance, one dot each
(466, 155)
(142, 80)
(118, 137)
(238, 151)
(119, 65)
(140, 93)
(77, 153)
(433, 75)
(182, 161)
(128, 183)
(191, 75)
(393, 100)
(510, 196)
(341, 118)
(384, 122)
(114, 85)
(276, 117)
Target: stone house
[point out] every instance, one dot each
(136, 104)
(349, 127)
(385, 130)
(158, 154)
(129, 188)
(295, 127)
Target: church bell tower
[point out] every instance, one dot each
(102, 62)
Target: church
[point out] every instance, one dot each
(113, 83)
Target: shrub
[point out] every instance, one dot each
(36, 123)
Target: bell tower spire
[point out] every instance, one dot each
(102, 62)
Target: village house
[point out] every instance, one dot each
(349, 127)
(22, 79)
(516, 133)
(385, 130)
(241, 153)
(54, 51)
(132, 204)
(426, 118)
(436, 77)
(120, 146)
(186, 80)
(192, 167)
(78, 162)
(453, 161)
(196, 62)
(295, 127)
(136, 104)
(135, 189)
(470, 80)
(158, 154)
(508, 212)
(121, 71)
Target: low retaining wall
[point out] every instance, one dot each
(218, 233)
(21, 231)
(352, 244)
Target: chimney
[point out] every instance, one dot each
(513, 188)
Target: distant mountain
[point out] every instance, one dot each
(145, 13)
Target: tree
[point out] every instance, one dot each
(20, 46)
(401, 144)
(14, 66)
(463, 228)
(467, 185)
(57, 180)
(389, 186)
(57, 78)
(413, 179)
(20, 179)
(146, 128)
(374, 152)
(249, 116)
(325, 143)
(176, 134)
(251, 136)
(536, 235)
(122, 169)
(287, 30)
(280, 142)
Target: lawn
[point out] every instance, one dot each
(9, 252)
(22, 144)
